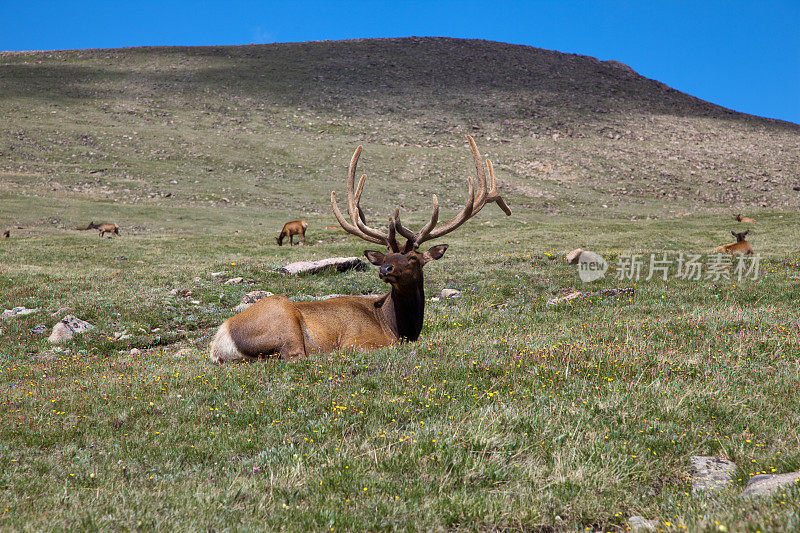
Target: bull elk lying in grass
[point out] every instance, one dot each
(290, 229)
(7, 234)
(104, 227)
(746, 220)
(276, 326)
(741, 246)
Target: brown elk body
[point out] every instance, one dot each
(746, 220)
(104, 227)
(741, 246)
(289, 330)
(290, 229)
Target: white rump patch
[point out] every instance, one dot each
(223, 349)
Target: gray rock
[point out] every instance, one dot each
(568, 298)
(217, 274)
(234, 281)
(135, 351)
(184, 352)
(254, 296)
(341, 264)
(590, 257)
(450, 293)
(640, 523)
(60, 333)
(768, 483)
(710, 473)
(38, 329)
(179, 292)
(572, 257)
(605, 293)
(68, 327)
(19, 311)
(250, 298)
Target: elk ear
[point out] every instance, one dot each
(435, 252)
(376, 258)
(734, 233)
(745, 233)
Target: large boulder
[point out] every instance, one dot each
(769, 483)
(340, 264)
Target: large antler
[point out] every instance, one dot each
(486, 193)
(359, 226)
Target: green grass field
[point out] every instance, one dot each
(507, 414)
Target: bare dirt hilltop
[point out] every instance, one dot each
(192, 125)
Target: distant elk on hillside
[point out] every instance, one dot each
(102, 228)
(741, 246)
(290, 229)
(746, 220)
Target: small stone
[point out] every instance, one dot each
(135, 351)
(60, 333)
(217, 274)
(194, 302)
(68, 327)
(711, 473)
(641, 523)
(450, 293)
(184, 352)
(569, 297)
(250, 298)
(38, 329)
(19, 311)
(435, 299)
(767, 483)
(234, 281)
(179, 292)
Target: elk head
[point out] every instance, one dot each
(740, 236)
(402, 266)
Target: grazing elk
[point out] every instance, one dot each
(741, 246)
(104, 227)
(290, 229)
(277, 326)
(746, 220)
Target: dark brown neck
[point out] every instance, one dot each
(404, 311)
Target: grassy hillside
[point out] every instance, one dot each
(508, 413)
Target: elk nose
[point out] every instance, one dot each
(385, 269)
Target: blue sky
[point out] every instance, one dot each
(742, 55)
